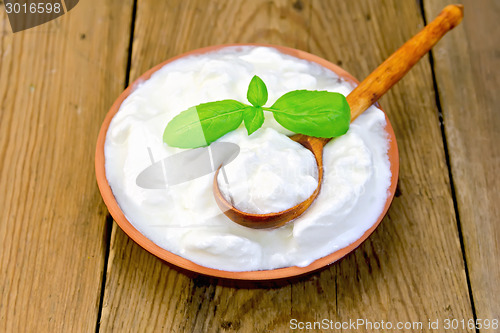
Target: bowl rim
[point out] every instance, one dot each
(258, 275)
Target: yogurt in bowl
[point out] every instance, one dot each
(182, 223)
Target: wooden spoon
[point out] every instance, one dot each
(362, 97)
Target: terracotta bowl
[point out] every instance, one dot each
(176, 260)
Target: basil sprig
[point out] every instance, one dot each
(315, 113)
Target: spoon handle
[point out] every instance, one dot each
(401, 61)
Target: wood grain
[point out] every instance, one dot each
(138, 282)
(410, 269)
(56, 83)
(466, 67)
(397, 65)
(178, 26)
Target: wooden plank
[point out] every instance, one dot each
(180, 26)
(137, 282)
(411, 269)
(56, 83)
(466, 68)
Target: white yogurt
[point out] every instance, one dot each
(271, 173)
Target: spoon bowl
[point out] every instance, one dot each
(274, 220)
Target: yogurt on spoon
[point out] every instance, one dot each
(271, 174)
(185, 219)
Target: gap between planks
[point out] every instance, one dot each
(109, 218)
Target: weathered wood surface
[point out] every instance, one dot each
(468, 76)
(410, 269)
(58, 80)
(56, 84)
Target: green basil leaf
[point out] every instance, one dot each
(254, 118)
(201, 125)
(315, 113)
(257, 92)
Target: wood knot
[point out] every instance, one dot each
(298, 5)
(229, 325)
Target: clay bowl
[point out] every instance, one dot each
(186, 264)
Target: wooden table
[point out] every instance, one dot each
(66, 267)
